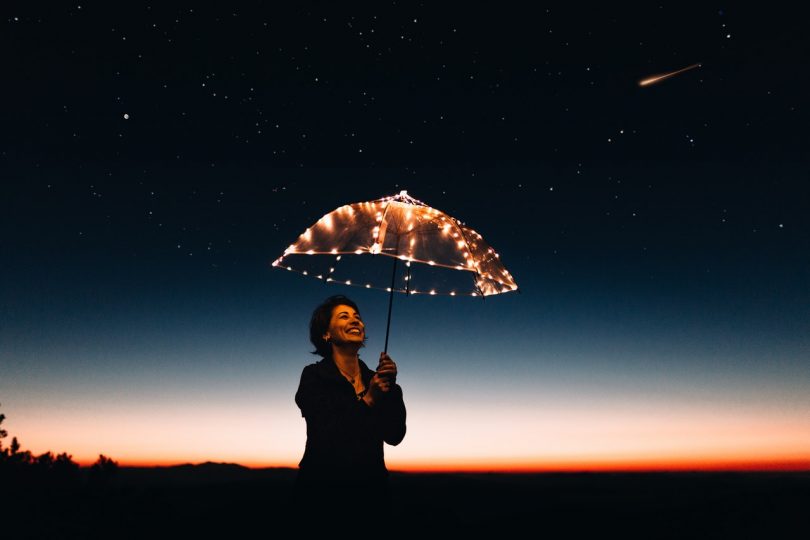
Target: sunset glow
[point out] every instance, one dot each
(466, 439)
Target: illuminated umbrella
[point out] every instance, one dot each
(336, 249)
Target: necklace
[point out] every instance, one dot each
(354, 381)
(351, 379)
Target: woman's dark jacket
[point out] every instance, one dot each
(344, 435)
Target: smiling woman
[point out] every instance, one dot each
(350, 410)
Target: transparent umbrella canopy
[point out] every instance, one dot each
(351, 244)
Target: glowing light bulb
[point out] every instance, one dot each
(375, 248)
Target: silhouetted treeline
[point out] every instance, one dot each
(19, 466)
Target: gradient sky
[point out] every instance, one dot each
(155, 159)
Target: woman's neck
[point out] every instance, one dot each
(347, 360)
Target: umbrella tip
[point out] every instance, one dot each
(403, 193)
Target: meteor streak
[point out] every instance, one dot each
(658, 78)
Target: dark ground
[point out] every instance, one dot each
(229, 501)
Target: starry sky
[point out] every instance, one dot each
(156, 158)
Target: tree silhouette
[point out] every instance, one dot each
(102, 470)
(23, 466)
(3, 435)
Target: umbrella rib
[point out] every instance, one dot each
(384, 229)
(467, 244)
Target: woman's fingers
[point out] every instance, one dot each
(387, 365)
(382, 383)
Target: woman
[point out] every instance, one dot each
(349, 409)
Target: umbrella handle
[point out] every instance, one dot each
(390, 304)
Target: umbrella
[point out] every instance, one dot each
(347, 244)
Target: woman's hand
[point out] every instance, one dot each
(383, 380)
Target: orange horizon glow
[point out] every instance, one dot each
(610, 437)
(801, 464)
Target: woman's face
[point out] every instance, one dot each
(346, 326)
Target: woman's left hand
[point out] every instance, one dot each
(383, 380)
(387, 371)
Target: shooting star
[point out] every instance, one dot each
(658, 78)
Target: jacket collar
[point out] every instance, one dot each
(328, 368)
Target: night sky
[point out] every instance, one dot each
(154, 160)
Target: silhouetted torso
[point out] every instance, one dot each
(344, 448)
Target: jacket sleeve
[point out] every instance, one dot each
(392, 416)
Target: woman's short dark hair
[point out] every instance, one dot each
(319, 323)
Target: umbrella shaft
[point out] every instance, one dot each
(390, 304)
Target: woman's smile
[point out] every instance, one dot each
(346, 325)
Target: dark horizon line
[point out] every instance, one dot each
(803, 469)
